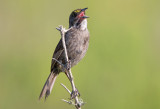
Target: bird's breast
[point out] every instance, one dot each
(77, 44)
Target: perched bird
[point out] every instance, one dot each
(77, 41)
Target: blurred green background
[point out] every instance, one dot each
(120, 71)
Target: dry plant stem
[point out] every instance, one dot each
(66, 88)
(58, 62)
(62, 31)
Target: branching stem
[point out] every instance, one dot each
(77, 102)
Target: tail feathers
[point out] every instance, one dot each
(47, 88)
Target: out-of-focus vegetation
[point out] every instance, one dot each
(120, 71)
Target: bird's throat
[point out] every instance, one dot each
(83, 24)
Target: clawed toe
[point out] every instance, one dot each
(74, 94)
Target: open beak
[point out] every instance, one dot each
(85, 16)
(83, 10)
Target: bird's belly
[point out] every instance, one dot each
(77, 52)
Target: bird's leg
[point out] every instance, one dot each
(68, 76)
(76, 92)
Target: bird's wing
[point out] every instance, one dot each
(59, 49)
(57, 53)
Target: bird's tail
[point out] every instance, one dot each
(47, 88)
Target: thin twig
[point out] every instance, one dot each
(69, 102)
(64, 68)
(63, 31)
(58, 62)
(66, 88)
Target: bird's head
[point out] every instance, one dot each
(77, 16)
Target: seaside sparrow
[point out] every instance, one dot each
(77, 41)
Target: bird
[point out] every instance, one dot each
(77, 42)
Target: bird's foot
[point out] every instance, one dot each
(75, 94)
(68, 65)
